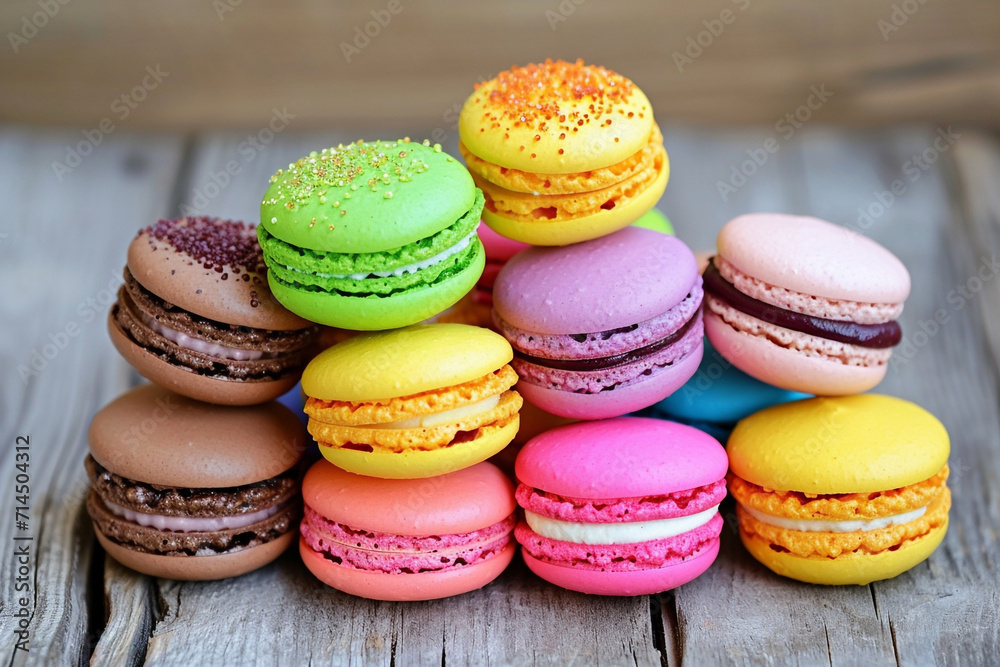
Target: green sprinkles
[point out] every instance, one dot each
(374, 163)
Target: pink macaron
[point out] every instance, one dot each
(804, 304)
(626, 506)
(407, 539)
(499, 249)
(604, 327)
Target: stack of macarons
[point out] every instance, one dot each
(196, 476)
(421, 337)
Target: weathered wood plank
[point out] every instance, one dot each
(61, 256)
(129, 608)
(947, 611)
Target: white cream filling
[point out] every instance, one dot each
(409, 268)
(848, 526)
(617, 533)
(445, 417)
(198, 345)
(183, 524)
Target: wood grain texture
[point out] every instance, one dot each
(231, 68)
(62, 252)
(129, 609)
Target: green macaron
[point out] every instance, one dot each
(372, 235)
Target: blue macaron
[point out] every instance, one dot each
(718, 396)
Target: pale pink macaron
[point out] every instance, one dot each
(604, 327)
(625, 506)
(407, 539)
(804, 304)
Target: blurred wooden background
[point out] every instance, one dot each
(230, 63)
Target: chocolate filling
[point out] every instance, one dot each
(877, 336)
(608, 362)
(196, 503)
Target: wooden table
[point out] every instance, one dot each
(62, 246)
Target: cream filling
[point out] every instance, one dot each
(199, 345)
(822, 526)
(617, 533)
(184, 524)
(409, 268)
(445, 417)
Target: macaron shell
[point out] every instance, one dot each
(176, 278)
(627, 457)
(720, 393)
(621, 400)
(492, 129)
(655, 220)
(459, 502)
(404, 362)
(499, 248)
(787, 368)
(849, 444)
(845, 570)
(152, 435)
(615, 281)
(406, 587)
(419, 464)
(199, 568)
(814, 257)
(640, 582)
(194, 385)
(353, 216)
(378, 314)
(583, 228)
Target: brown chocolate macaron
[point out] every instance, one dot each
(187, 490)
(196, 315)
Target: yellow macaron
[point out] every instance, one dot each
(844, 490)
(415, 402)
(564, 152)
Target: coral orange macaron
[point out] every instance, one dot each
(564, 152)
(415, 402)
(844, 490)
(407, 539)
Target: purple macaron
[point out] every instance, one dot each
(604, 327)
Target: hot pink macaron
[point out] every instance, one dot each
(804, 304)
(499, 249)
(604, 327)
(407, 539)
(626, 506)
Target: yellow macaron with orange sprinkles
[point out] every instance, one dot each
(844, 490)
(415, 402)
(563, 152)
